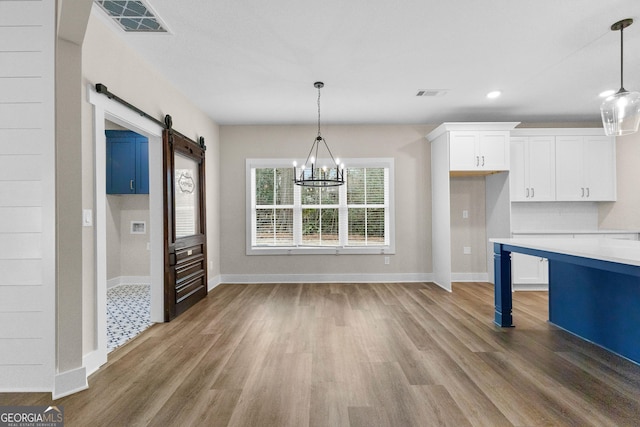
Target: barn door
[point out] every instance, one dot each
(185, 252)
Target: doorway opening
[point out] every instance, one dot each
(108, 110)
(127, 235)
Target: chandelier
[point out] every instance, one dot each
(310, 173)
(621, 111)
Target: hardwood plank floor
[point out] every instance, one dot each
(396, 354)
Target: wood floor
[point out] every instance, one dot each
(355, 355)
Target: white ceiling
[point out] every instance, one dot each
(254, 62)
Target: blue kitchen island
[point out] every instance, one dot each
(594, 288)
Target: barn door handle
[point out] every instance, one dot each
(131, 185)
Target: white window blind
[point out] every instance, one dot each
(284, 218)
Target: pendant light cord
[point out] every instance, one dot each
(621, 59)
(319, 111)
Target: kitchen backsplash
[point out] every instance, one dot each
(554, 216)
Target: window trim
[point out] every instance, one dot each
(385, 162)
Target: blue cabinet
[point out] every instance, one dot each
(127, 162)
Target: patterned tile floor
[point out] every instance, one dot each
(128, 313)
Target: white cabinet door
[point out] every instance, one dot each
(569, 169)
(585, 168)
(542, 168)
(462, 151)
(478, 151)
(518, 179)
(528, 270)
(532, 173)
(599, 168)
(493, 150)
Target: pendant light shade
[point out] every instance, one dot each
(621, 111)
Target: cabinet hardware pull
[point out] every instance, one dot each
(527, 196)
(482, 160)
(582, 192)
(587, 191)
(131, 185)
(477, 160)
(533, 192)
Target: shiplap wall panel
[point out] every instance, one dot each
(21, 324)
(20, 89)
(21, 167)
(21, 39)
(22, 352)
(20, 141)
(23, 13)
(27, 198)
(29, 373)
(21, 272)
(21, 116)
(25, 297)
(26, 64)
(20, 193)
(20, 246)
(20, 219)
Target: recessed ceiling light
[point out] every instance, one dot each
(607, 93)
(494, 94)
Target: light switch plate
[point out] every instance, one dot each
(87, 218)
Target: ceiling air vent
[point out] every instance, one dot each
(133, 15)
(431, 92)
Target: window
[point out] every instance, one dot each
(283, 218)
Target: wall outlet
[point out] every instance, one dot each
(466, 250)
(465, 214)
(387, 260)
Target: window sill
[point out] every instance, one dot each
(307, 250)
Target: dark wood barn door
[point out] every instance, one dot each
(185, 253)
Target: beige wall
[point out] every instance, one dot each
(107, 59)
(468, 193)
(406, 144)
(625, 212)
(127, 253)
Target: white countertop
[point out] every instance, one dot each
(619, 251)
(599, 231)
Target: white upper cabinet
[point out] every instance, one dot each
(532, 175)
(479, 150)
(585, 168)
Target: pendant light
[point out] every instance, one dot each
(313, 175)
(621, 111)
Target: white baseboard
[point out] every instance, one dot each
(213, 282)
(469, 277)
(69, 382)
(128, 280)
(324, 278)
(530, 287)
(93, 361)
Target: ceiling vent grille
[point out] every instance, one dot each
(133, 15)
(431, 92)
